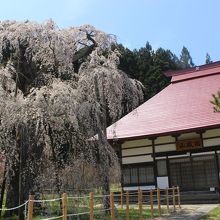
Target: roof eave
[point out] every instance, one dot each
(173, 133)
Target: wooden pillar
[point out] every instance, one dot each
(127, 206)
(122, 198)
(201, 137)
(112, 206)
(167, 199)
(192, 169)
(174, 199)
(140, 204)
(178, 196)
(64, 204)
(151, 204)
(168, 171)
(91, 205)
(176, 136)
(218, 167)
(30, 207)
(117, 145)
(158, 202)
(154, 160)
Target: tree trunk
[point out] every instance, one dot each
(22, 175)
(106, 193)
(104, 162)
(12, 197)
(3, 190)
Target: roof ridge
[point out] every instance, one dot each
(170, 73)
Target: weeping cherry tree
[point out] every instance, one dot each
(59, 89)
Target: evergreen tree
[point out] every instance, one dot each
(186, 59)
(208, 59)
(144, 61)
(128, 61)
(216, 102)
(155, 80)
(148, 66)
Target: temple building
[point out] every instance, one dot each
(174, 137)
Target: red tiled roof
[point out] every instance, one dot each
(184, 105)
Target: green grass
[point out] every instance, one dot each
(119, 214)
(134, 213)
(212, 215)
(16, 218)
(115, 188)
(10, 218)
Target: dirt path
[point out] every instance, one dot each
(189, 212)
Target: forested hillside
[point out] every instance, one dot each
(148, 65)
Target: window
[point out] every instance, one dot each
(150, 174)
(162, 168)
(142, 175)
(138, 174)
(126, 176)
(134, 175)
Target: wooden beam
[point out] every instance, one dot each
(154, 160)
(218, 166)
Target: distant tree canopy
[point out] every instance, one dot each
(148, 66)
(186, 59)
(216, 102)
(208, 59)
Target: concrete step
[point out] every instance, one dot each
(199, 197)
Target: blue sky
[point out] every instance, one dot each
(164, 23)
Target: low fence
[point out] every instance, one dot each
(146, 204)
(170, 198)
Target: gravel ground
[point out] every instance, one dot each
(189, 212)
